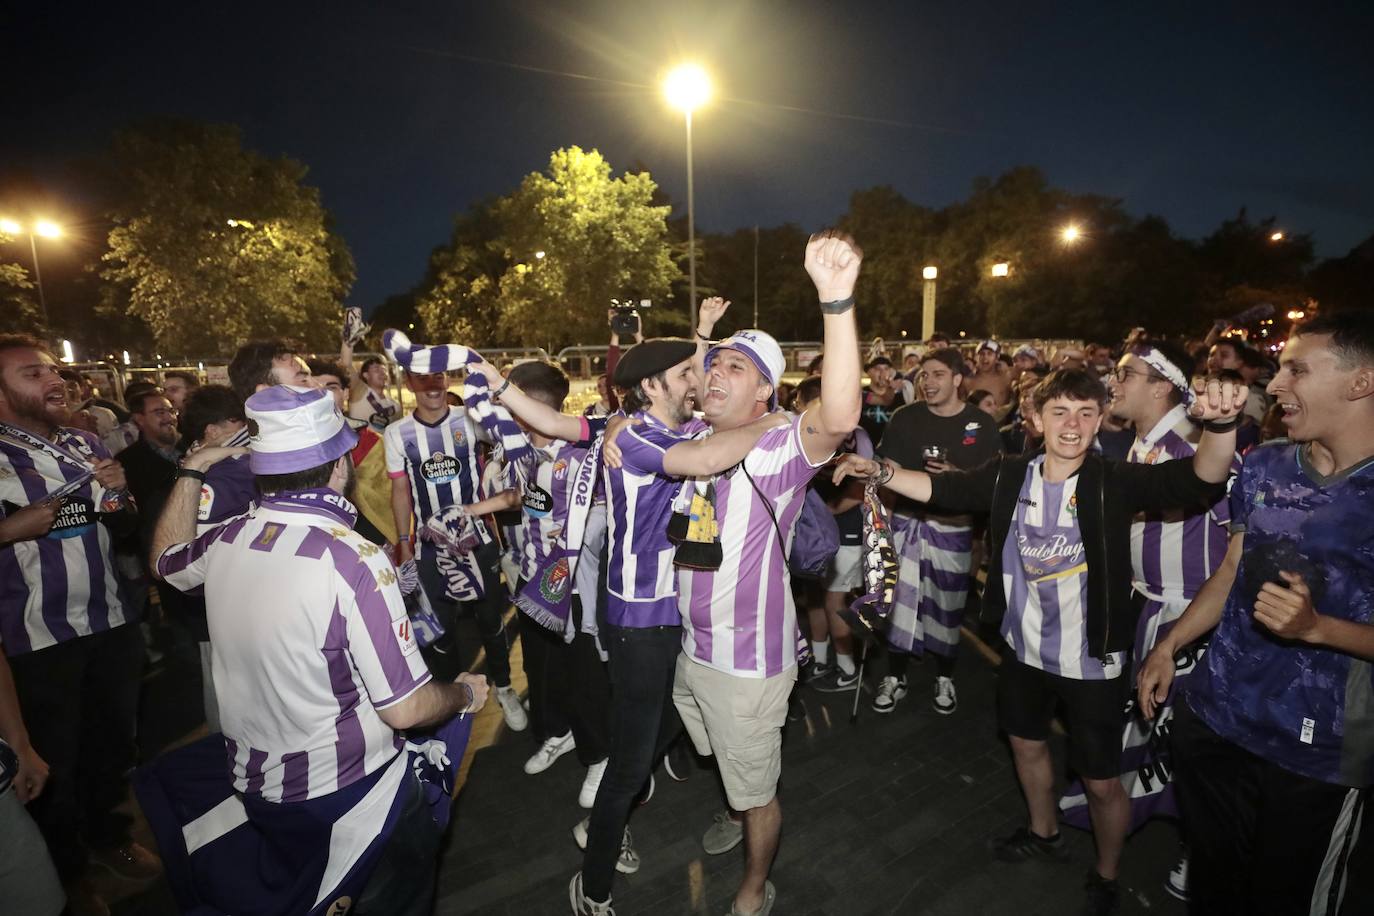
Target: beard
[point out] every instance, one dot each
(36, 410)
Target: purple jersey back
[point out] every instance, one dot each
(1306, 708)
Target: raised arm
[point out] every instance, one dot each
(832, 261)
(540, 417)
(1219, 406)
(177, 523)
(710, 312)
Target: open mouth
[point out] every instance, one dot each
(1290, 411)
(1071, 438)
(715, 392)
(931, 393)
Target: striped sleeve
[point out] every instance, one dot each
(182, 566)
(380, 640)
(395, 451)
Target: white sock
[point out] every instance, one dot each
(822, 652)
(846, 662)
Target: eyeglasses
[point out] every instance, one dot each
(1122, 373)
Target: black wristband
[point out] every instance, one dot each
(838, 306)
(701, 336)
(191, 473)
(496, 395)
(1221, 426)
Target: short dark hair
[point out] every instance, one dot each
(190, 378)
(1073, 384)
(977, 395)
(636, 398)
(947, 356)
(252, 364)
(209, 404)
(24, 342)
(808, 389)
(1352, 336)
(308, 479)
(370, 362)
(70, 375)
(815, 364)
(541, 380)
(877, 361)
(136, 390)
(327, 367)
(138, 401)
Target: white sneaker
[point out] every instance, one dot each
(1177, 882)
(587, 797)
(890, 690)
(584, 906)
(946, 700)
(628, 861)
(513, 710)
(548, 752)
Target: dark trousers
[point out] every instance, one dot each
(643, 724)
(402, 883)
(1264, 840)
(488, 611)
(79, 700)
(569, 690)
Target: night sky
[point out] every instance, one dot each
(408, 112)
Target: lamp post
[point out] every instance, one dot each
(928, 275)
(45, 228)
(1071, 233)
(687, 87)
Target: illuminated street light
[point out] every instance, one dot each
(67, 355)
(1001, 269)
(1296, 315)
(687, 87)
(539, 255)
(929, 273)
(1276, 236)
(1070, 234)
(49, 230)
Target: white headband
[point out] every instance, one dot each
(1172, 374)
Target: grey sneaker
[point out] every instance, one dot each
(946, 700)
(581, 905)
(770, 897)
(722, 836)
(627, 863)
(517, 720)
(890, 690)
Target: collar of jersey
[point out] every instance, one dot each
(322, 501)
(437, 423)
(1176, 415)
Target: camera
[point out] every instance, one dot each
(625, 321)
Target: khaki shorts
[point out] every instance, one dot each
(739, 720)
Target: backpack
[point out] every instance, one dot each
(817, 538)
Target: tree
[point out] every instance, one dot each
(214, 244)
(18, 309)
(540, 266)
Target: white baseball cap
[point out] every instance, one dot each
(763, 351)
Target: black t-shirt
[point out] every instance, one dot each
(875, 417)
(969, 438)
(850, 522)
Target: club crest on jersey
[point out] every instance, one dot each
(1073, 506)
(560, 469)
(439, 468)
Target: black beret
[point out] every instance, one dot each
(650, 358)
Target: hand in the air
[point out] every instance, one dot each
(711, 310)
(1218, 399)
(832, 261)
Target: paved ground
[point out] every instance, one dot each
(890, 815)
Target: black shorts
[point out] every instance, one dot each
(1094, 712)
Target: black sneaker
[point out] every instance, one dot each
(834, 680)
(1101, 895)
(1021, 845)
(677, 763)
(796, 709)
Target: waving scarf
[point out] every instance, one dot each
(870, 612)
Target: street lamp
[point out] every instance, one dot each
(45, 228)
(928, 275)
(687, 87)
(1001, 269)
(1071, 233)
(1276, 236)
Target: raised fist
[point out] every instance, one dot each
(832, 261)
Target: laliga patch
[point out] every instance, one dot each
(405, 636)
(207, 499)
(73, 519)
(439, 468)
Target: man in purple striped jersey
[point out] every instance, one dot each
(740, 634)
(64, 618)
(1059, 572)
(315, 665)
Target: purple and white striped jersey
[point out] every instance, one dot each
(741, 618)
(549, 475)
(63, 585)
(229, 488)
(309, 638)
(1173, 553)
(1045, 577)
(641, 582)
(440, 460)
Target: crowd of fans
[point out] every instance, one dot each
(1165, 541)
